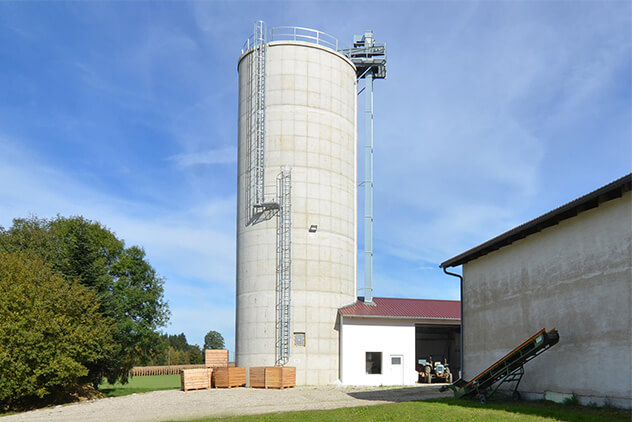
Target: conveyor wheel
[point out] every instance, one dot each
(483, 398)
(515, 396)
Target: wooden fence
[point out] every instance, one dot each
(140, 371)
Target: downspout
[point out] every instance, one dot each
(445, 270)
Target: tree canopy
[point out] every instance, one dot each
(51, 329)
(175, 350)
(130, 293)
(213, 340)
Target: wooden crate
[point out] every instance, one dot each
(216, 358)
(229, 377)
(280, 377)
(273, 377)
(257, 377)
(195, 379)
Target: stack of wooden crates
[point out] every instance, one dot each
(223, 375)
(273, 377)
(199, 379)
(218, 374)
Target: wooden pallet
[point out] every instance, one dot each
(229, 377)
(216, 358)
(195, 379)
(273, 377)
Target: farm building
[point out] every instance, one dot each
(382, 343)
(568, 269)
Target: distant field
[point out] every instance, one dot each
(141, 385)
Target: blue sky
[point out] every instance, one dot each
(493, 113)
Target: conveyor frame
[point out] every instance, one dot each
(510, 368)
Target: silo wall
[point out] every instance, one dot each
(311, 117)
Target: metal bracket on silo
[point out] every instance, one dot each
(369, 59)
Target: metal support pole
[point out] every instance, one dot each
(368, 191)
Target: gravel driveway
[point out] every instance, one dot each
(178, 405)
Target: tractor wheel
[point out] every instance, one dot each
(483, 398)
(515, 396)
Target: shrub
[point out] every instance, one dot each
(130, 292)
(50, 329)
(573, 400)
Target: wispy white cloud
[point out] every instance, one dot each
(481, 105)
(191, 248)
(215, 156)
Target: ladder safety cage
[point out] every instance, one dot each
(510, 368)
(256, 127)
(284, 267)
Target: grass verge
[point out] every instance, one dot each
(141, 385)
(449, 410)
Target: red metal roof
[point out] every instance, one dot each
(391, 307)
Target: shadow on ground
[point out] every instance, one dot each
(397, 395)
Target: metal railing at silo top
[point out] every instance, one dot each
(292, 33)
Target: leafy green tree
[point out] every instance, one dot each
(129, 290)
(213, 340)
(178, 341)
(183, 353)
(51, 329)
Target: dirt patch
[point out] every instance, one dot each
(178, 405)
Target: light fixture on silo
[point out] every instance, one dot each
(313, 228)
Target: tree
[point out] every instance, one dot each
(183, 353)
(129, 290)
(51, 329)
(213, 340)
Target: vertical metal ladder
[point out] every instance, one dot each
(256, 205)
(256, 127)
(284, 267)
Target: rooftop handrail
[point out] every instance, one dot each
(293, 33)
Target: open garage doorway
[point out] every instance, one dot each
(442, 343)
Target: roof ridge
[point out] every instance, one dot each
(411, 298)
(607, 192)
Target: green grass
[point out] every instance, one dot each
(447, 410)
(141, 385)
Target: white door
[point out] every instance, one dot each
(397, 370)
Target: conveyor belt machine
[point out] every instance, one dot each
(510, 368)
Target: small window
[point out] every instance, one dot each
(299, 339)
(396, 360)
(373, 362)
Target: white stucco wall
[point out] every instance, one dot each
(389, 336)
(576, 277)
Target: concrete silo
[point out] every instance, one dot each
(297, 191)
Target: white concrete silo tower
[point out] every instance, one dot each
(297, 190)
